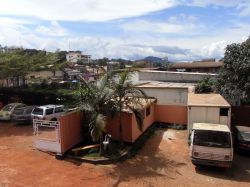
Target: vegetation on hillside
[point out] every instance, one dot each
(15, 64)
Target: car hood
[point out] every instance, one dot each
(4, 112)
(246, 139)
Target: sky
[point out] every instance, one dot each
(181, 30)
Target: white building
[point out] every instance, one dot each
(208, 108)
(76, 56)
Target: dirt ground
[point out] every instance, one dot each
(163, 161)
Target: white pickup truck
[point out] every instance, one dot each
(211, 144)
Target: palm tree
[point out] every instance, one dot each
(97, 104)
(128, 96)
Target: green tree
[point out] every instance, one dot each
(206, 85)
(97, 104)
(234, 78)
(127, 96)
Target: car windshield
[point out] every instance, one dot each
(8, 107)
(38, 111)
(18, 111)
(212, 138)
(245, 135)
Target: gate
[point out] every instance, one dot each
(47, 135)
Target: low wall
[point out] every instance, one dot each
(168, 76)
(175, 114)
(130, 131)
(70, 130)
(240, 115)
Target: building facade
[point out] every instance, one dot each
(77, 56)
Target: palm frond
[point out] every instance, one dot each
(97, 127)
(139, 116)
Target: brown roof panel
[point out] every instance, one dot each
(207, 100)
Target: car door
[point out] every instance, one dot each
(49, 113)
(58, 111)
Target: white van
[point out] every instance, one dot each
(211, 144)
(48, 112)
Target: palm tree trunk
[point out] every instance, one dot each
(101, 146)
(120, 123)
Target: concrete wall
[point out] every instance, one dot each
(173, 114)
(171, 106)
(70, 130)
(168, 76)
(202, 114)
(168, 96)
(130, 131)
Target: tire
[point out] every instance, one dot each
(53, 119)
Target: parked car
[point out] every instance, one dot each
(242, 138)
(22, 115)
(211, 144)
(48, 112)
(7, 110)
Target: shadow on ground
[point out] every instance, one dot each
(151, 162)
(240, 171)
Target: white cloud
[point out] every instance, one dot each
(86, 10)
(131, 47)
(214, 50)
(179, 24)
(224, 3)
(55, 29)
(139, 39)
(156, 27)
(244, 9)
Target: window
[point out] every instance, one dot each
(58, 109)
(28, 110)
(8, 107)
(148, 111)
(38, 111)
(212, 138)
(49, 111)
(224, 111)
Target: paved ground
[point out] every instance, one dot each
(163, 161)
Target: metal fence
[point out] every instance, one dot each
(47, 135)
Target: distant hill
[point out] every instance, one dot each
(153, 59)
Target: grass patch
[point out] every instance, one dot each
(91, 153)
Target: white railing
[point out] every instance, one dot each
(47, 135)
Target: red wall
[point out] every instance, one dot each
(130, 131)
(171, 114)
(70, 130)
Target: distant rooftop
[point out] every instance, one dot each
(157, 84)
(173, 72)
(198, 64)
(207, 100)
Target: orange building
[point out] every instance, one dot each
(130, 130)
(171, 106)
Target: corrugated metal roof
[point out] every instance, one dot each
(207, 100)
